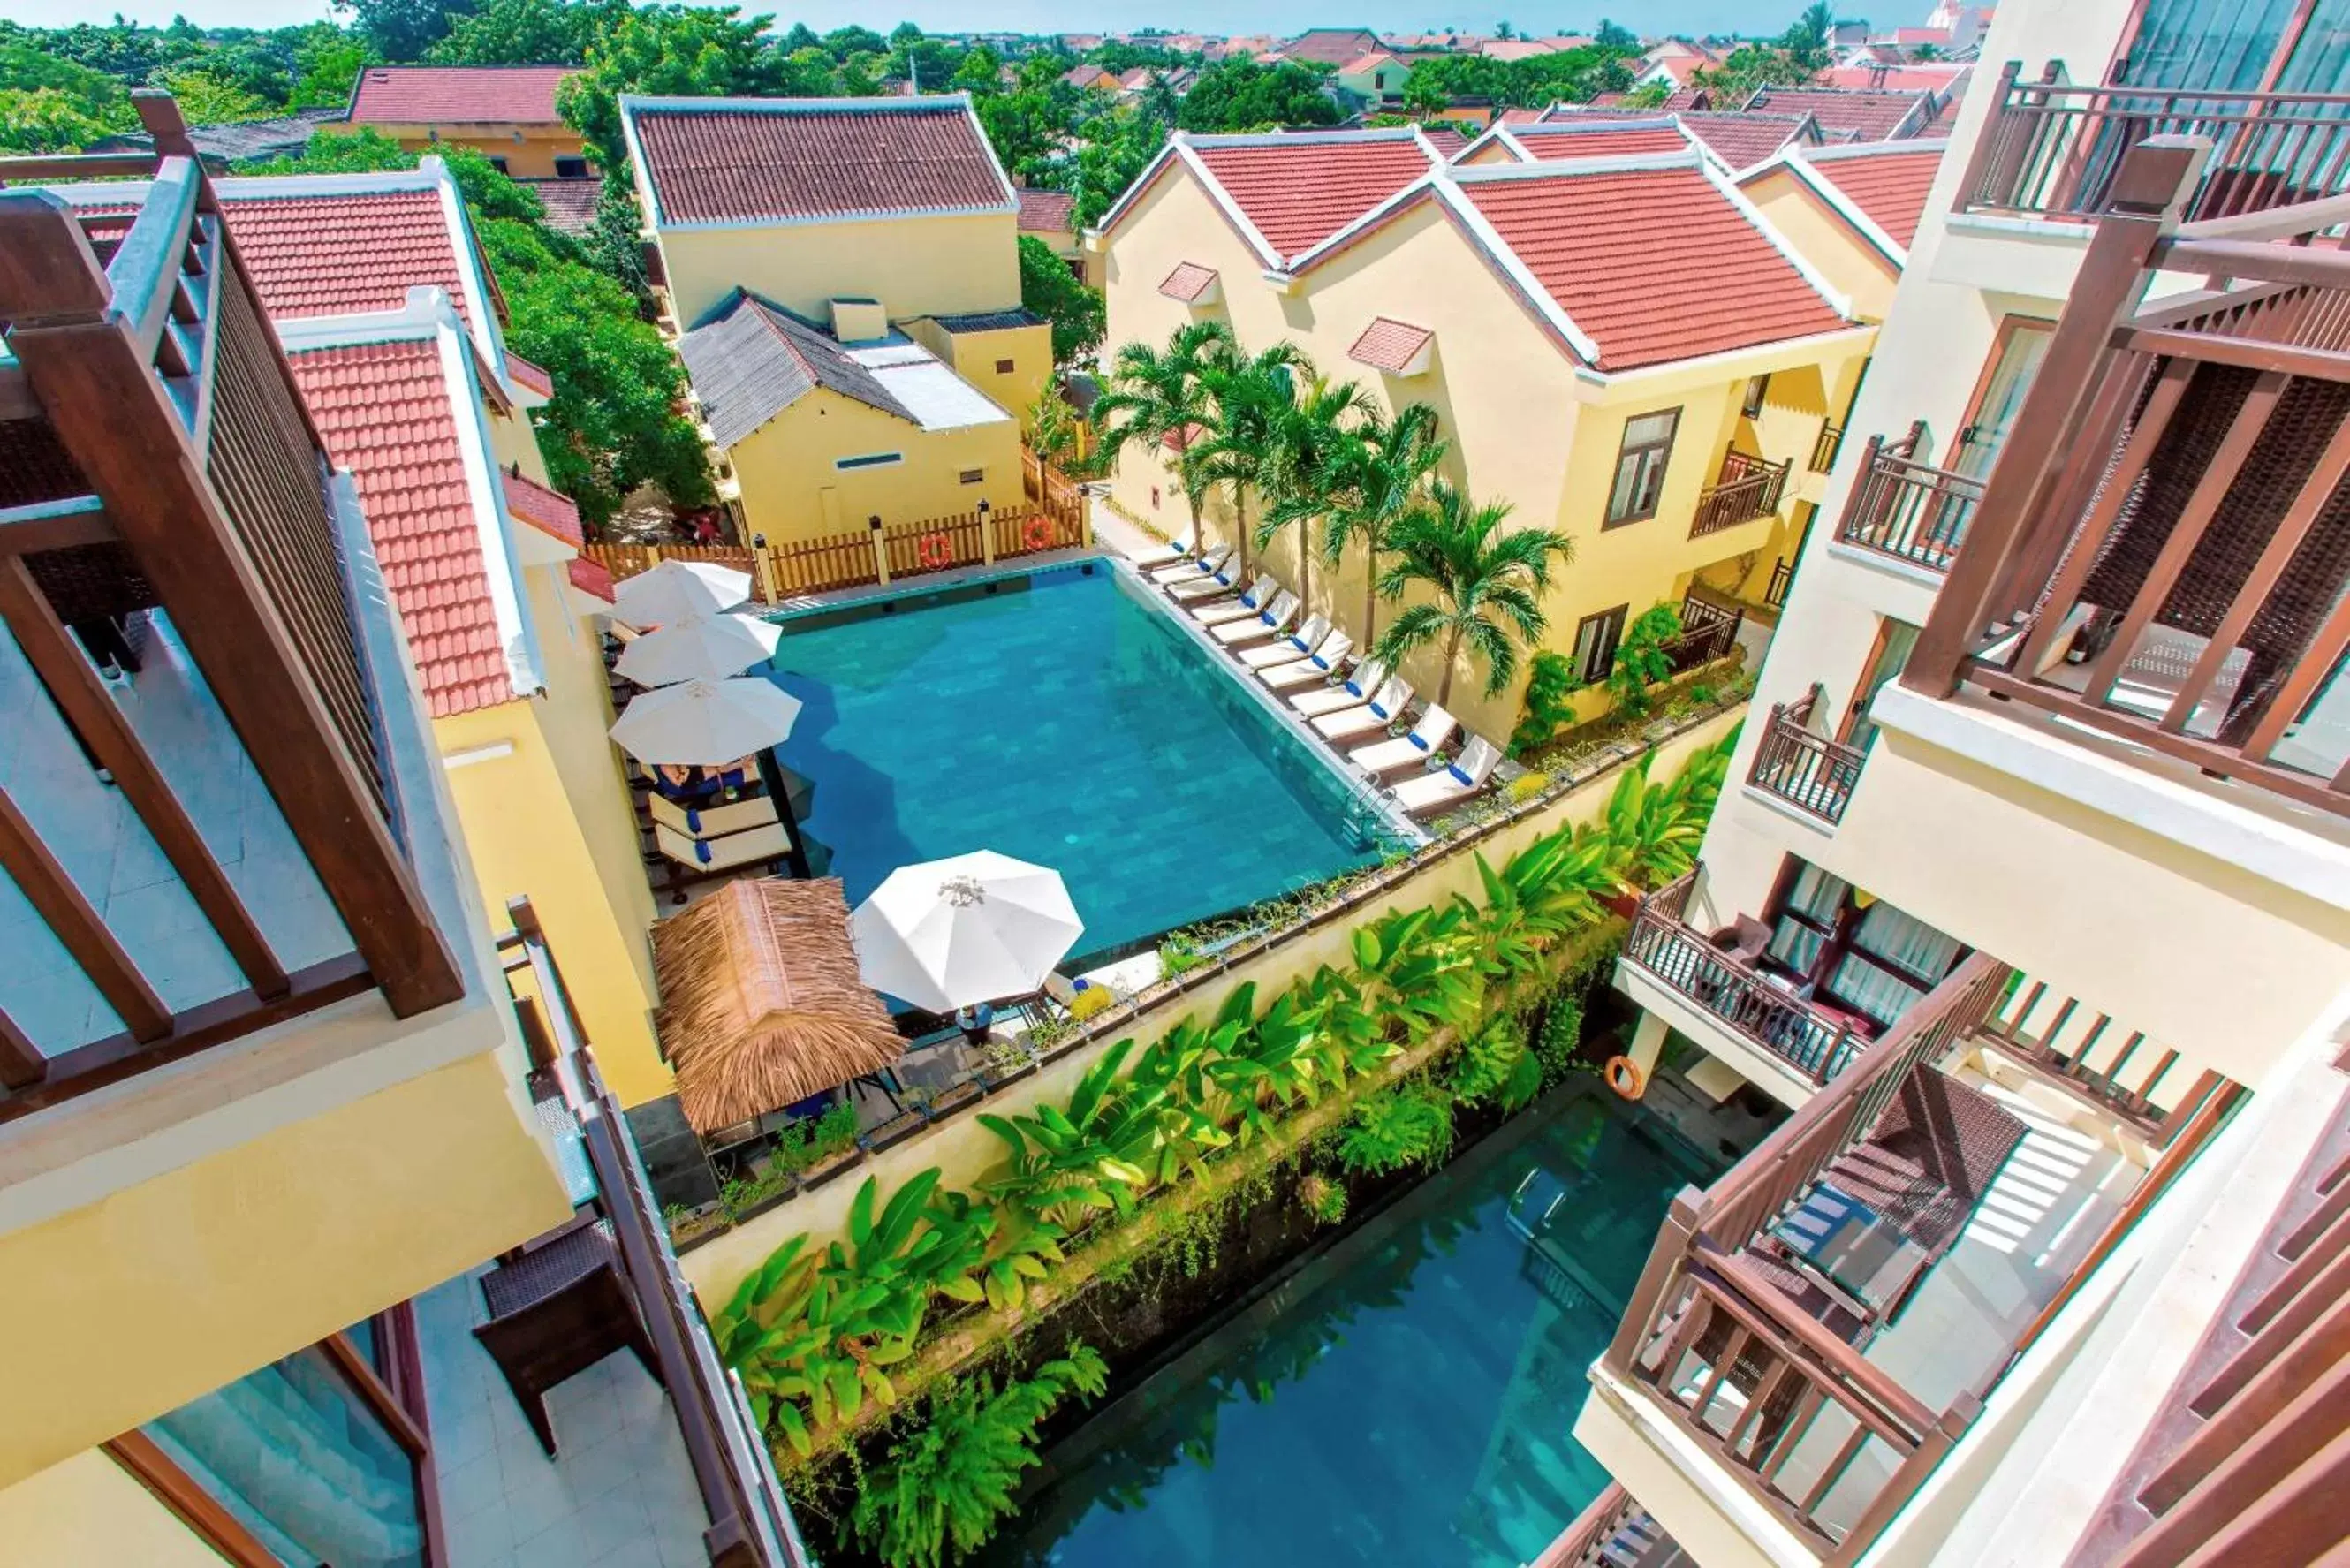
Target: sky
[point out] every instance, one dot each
(1228, 17)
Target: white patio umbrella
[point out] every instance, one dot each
(952, 933)
(706, 723)
(675, 589)
(699, 648)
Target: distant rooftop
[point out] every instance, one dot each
(458, 95)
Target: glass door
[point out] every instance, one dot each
(2015, 361)
(1893, 640)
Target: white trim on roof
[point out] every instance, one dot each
(1732, 356)
(1544, 168)
(473, 275)
(1446, 184)
(1720, 181)
(1134, 191)
(1302, 137)
(1496, 133)
(425, 176)
(1879, 149)
(1838, 202)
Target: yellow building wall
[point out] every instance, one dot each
(538, 789)
(1853, 267)
(1492, 152)
(513, 442)
(133, 1305)
(1523, 426)
(87, 1511)
(975, 356)
(914, 266)
(530, 150)
(791, 491)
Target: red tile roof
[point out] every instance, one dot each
(548, 511)
(1329, 45)
(570, 203)
(1300, 190)
(1742, 140)
(1897, 79)
(1446, 141)
(1523, 116)
(458, 95)
(1683, 99)
(778, 158)
(385, 411)
(1877, 116)
(1890, 187)
(530, 375)
(1592, 138)
(1047, 211)
(344, 254)
(592, 577)
(1388, 346)
(1188, 281)
(1590, 240)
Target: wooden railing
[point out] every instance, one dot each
(750, 1523)
(1808, 770)
(937, 544)
(1825, 445)
(1614, 1531)
(1745, 1372)
(2156, 553)
(1736, 993)
(1708, 632)
(2079, 1048)
(1906, 509)
(160, 458)
(2052, 149)
(1782, 578)
(1747, 488)
(1055, 530)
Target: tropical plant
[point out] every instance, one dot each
(1555, 1046)
(1314, 441)
(1253, 395)
(946, 1483)
(1656, 828)
(1162, 399)
(1552, 682)
(1323, 1199)
(1405, 1125)
(1485, 585)
(1385, 477)
(1642, 659)
(1495, 1064)
(1076, 310)
(1097, 1155)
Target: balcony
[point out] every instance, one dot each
(1907, 510)
(1808, 770)
(2053, 150)
(1747, 488)
(213, 842)
(2160, 553)
(1614, 1531)
(1822, 1326)
(1825, 446)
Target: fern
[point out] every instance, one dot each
(1496, 1066)
(1403, 1127)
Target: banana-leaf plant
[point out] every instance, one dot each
(1099, 1154)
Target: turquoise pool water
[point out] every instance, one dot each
(1408, 1398)
(1062, 721)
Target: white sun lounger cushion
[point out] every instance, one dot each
(1462, 778)
(1272, 622)
(1351, 692)
(1315, 666)
(1373, 716)
(1247, 606)
(1208, 566)
(1282, 649)
(1435, 728)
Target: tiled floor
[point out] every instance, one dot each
(101, 844)
(620, 1494)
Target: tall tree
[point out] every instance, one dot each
(1388, 478)
(1485, 584)
(403, 29)
(528, 33)
(1252, 396)
(1313, 445)
(684, 51)
(1161, 400)
(1053, 292)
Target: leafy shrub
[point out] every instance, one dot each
(1403, 1127)
(1562, 1033)
(1640, 659)
(945, 1485)
(1323, 1199)
(1702, 694)
(1179, 954)
(1526, 787)
(1496, 1066)
(1551, 686)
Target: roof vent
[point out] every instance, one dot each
(858, 320)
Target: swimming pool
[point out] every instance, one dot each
(1060, 718)
(1408, 1398)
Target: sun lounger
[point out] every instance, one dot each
(1435, 728)
(1353, 723)
(1199, 588)
(1464, 777)
(1190, 567)
(1282, 649)
(1247, 607)
(1274, 622)
(1314, 666)
(1352, 692)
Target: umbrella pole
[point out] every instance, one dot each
(770, 774)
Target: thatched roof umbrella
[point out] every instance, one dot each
(761, 1004)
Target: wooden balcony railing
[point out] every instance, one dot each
(1906, 509)
(1708, 632)
(1808, 770)
(2053, 150)
(1614, 1531)
(1747, 488)
(1783, 579)
(1815, 1042)
(750, 1524)
(158, 456)
(2162, 551)
(1825, 446)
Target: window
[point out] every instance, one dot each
(1596, 636)
(1855, 951)
(571, 168)
(1004, 366)
(1640, 466)
(870, 460)
(498, 164)
(1757, 389)
(974, 475)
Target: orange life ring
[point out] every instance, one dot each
(1624, 1076)
(1036, 534)
(933, 551)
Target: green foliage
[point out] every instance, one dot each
(1406, 1125)
(327, 66)
(1641, 659)
(526, 33)
(1053, 292)
(1480, 586)
(1497, 1065)
(1562, 1034)
(1566, 75)
(1241, 95)
(404, 29)
(947, 1484)
(1550, 685)
(1156, 400)
(1323, 1199)
(1656, 828)
(1056, 431)
(685, 51)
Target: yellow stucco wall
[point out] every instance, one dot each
(791, 489)
(914, 266)
(133, 1304)
(1524, 427)
(976, 355)
(88, 1511)
(530, 150)
(514, 441)
(1853, 266)
(539, 788)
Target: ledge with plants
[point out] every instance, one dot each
(860, 1352)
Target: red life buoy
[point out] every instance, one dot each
(1035, 534)
(1624, 1076)
(933, 551)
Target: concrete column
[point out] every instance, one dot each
(1647, 1045)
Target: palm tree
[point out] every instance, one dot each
(1487, 584)
(1251, 397)
(1388, 476)
(1316, 445)
(1162, 399)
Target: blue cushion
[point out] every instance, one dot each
(1265, 616)
(1321, 663)
(1382, 712)
(1298, 643)
(1455, 771)
(693, 822)
(1352, 690)
(702, 851)
(1248, 601)
(1223, 579)
(1415, 741)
